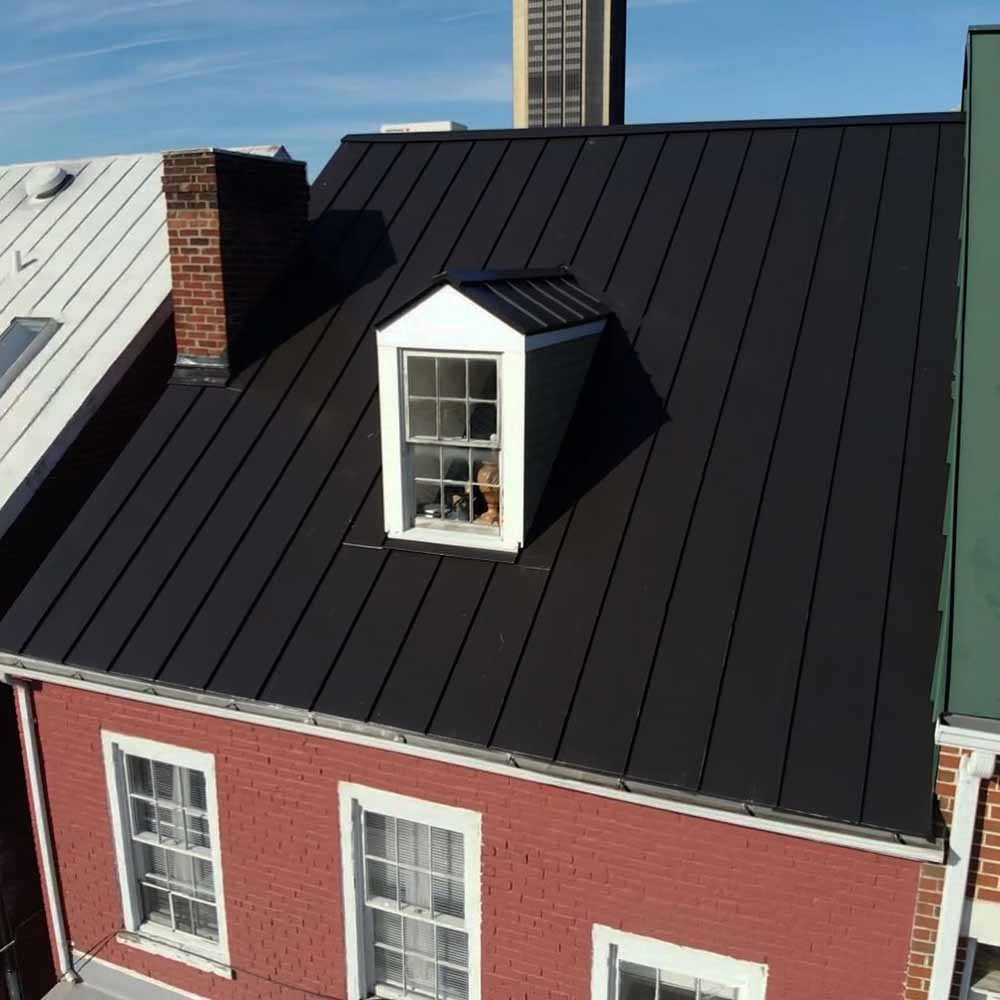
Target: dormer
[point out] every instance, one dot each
(479, 376)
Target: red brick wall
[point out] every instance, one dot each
(832, 923)
(984, 875)
(233, 223)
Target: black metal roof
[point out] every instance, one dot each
(732, 588)
(529, 300)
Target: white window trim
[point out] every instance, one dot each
(153, 938)
(355, 798)
(748, 977)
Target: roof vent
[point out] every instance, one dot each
(45, 182)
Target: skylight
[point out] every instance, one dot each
(19, 343)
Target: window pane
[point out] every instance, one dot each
(182, 914)
(483, 422)
(381, 880)
(453, 419)
(452, 984)
(204, 879)
(676, 987)
(455, 464)
(447, 854)
(451, 377)
(452, 946)
(426, 461)
(199, 833)
(420, 376)
(482, 379)
(414, 890)
(156, 906)
(388, 928)
(139, 779)
(716, 991)
(427, 498)
(194, 790)
(206, 921)
(457, 503)
(152, 863)
(414, 843)
(449, 897)
(380, 835)
(420, 975)
(486, 472)
(423, 418)
(637, 982)
(419, 937)
(164, 784)
(388, 967)
(17, 339)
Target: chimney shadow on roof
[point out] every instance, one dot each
(618, 410)
(344, 252)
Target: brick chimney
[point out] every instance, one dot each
(234, 222)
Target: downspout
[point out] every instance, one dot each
(43, 830)
(974, 768)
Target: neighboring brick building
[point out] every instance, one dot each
(534, 592)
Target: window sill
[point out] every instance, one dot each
(445, 543)
(143, 941)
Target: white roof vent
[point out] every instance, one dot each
(44, 182)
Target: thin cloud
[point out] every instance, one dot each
(61, 57)
(468, 15)
(660, 3)
(60, 15)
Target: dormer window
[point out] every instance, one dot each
(453, 433)
(478, 379)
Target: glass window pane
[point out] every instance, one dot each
(486, 475)
(387, 928)
(380, 836)
(381, 881)
(716, 991)
(449, 897)
(427, 498)
(452, 984)
(139, 780)
(194, 790)
(206, 921)
(17, 338)
(452, 946)
(483, 422)
(388, 967)
(164, 782)
(152, 864)
(171, 826)
(453, 419)
(447, 852)
(204, 879)
(451, 377)
(420, 976)
(419, 937)
(426, 461)
(414, 890)
(482, 379)
(423, 418)
(455, 464)
(413, 840)
(636, 982)
(199, 833)
(143, 817)
(420, 376)
(182, 914)
(456, 503)
(156, 906)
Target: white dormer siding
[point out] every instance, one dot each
(540, 377)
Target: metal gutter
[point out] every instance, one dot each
(14, 668)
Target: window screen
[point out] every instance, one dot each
(453, 435)
(415, 916)
(171, 837)
(19, 343)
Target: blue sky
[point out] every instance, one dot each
(104, 76)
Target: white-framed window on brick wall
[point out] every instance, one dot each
(411, 874)
(165, 822)
(630, 967)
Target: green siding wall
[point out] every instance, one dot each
(974, 671)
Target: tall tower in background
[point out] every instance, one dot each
(569, 62)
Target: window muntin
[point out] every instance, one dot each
(415, 908)
(452, 416)
(171, 838)
(19, 343)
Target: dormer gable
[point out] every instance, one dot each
(479, 376)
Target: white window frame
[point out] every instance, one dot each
(354, 799)
(188, 948)
(611, 944)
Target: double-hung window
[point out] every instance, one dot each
(411, 877)
(453, 440)
(166, 828)
(630, 967)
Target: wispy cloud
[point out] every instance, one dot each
(659, 3)
(105, 50)
(63, 15)
(469, 14)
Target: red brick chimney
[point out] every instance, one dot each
(234, 222)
